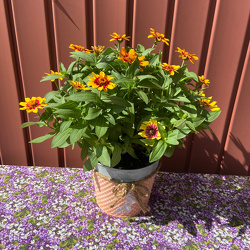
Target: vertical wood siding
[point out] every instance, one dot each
(35, 36)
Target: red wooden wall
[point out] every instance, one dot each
(35, 36)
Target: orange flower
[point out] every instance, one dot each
(185, 55)
(158, 36)
(98, 49)
(79, 48)
(79, 86)
(129, 57)
(119, 38)
(206, 102)
(203, 80)
(170, 68)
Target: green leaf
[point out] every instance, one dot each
(102, 65)
(143, 77)
(169, 151)
(155, 60)
(197, 121)
(90, 163)
(103, 155)
(149, 84)
(26, 124)
(133, 68)
(101, 126)
(93, 113)
(181, 99)
(180, 123)
(172, 137)
(191, 125)
(43, 138)
(143, 96)
(67, 105)
(52, 77)
(116, 100)
(50, 95)
(61, 67)
(85, 150)
(68, 113)
(110, 119)
(107, 51)
(86, 56)
(65, 125)
(76, 134)
(213, 115)
(60, 138)
(116, 155)
(84, 97)
(162, 131)
(71, 66)
(158, 151)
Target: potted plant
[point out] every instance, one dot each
(125, 109)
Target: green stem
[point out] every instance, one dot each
(56, 84)
(46, 123)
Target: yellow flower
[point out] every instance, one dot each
(185, 55)
(203, 80)
(79, 48)
(158, 36)
(150, 130)
(170, 68)
(101, 82)
(33, 104)
(119, 38)
(79, 86)
(206, 102)
(54, 73)
(129, 57)
(98, 49)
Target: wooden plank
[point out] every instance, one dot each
(146, 16)
(108, 16)
(188, 32)
(237, 147)
(70, 27)
(32, 44)
(13, 146)
(224, 54)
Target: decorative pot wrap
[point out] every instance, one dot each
(123, 198)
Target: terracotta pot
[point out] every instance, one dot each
(124, 193)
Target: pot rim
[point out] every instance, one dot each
(127, 175)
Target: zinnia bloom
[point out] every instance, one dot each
(170, 68)
(79, 86)
(101, 82)
(158, 36)
(54, 73)
(185, 55)
(119, 38)
(79, 48)
(33, 104)
(98, 49)
(129, 57)
(150, 130)
(206, 102)
(203, 80)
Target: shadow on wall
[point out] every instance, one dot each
(209, 153)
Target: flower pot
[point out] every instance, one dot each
(124, 193)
